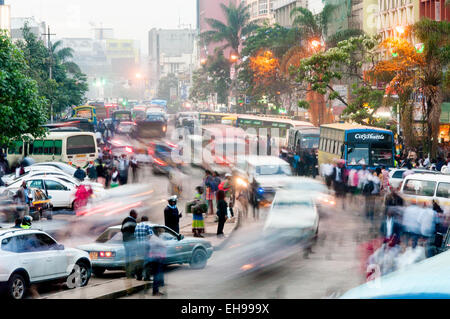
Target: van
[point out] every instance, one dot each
(424, 188)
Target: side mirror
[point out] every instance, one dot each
(49, 197)
(180, 237)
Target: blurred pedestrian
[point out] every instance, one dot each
(123, 167)
(18, 223)
(255, 198)
(129, 241)
(134, 169)
(156, 260)
(172, 215)
(143, 232)
(390, 228)
(101, 172)
(221, 212)
(22, 197)
(209, 184)
(115, 177)
(79, 174)
(228, 188)
(339, 180)
(92, 172)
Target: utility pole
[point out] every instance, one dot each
(51, 66)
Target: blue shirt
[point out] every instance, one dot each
(143, 232)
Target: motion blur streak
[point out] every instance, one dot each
(124, 208)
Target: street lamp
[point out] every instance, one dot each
(138, 76)
(400, 29)
(234, 58)
(315, 44)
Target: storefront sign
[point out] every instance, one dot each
(369, 137)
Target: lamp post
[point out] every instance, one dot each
(315, 46)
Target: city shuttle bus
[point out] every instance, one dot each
(87, 112)
(74, 148)
(356, 144)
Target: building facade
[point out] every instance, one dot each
(261, 10)
(282, 11)
(435, 10)
(172, 51)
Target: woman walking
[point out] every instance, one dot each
(221, 212)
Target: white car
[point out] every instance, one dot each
(396, 175)
(30, 256)
(61, 189)
(293, 216)
(42, 167)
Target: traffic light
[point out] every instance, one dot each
(241, 101)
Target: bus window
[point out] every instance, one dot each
(58, 147)
(358, 154)
(49, 147)
(381, 155)
(83, 144)
(38, 147)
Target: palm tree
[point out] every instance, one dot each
(435, 35)
(63, 56)
(313, 26)
(232, 32)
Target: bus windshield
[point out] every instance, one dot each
(358, 154)
(381, 154)
(370, 154)
(85, 113)
(310, 142)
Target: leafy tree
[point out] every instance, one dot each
(211, 78)
(321, 70)
(68, 84)
(167, 83)
(22, 110)
(399, 72)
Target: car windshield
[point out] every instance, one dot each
(110, 236)
(155, 117)
(273, 170)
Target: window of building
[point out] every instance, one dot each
(262, 7)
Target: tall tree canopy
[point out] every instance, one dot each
(22, 109)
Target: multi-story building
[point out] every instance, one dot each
(36, 27)
(282, 11)
(395, 13)
(261, 10)
(434, 10)
(172, 51)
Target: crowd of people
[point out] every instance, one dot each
(408, 233)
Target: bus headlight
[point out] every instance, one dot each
(240, 182)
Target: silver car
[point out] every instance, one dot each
(108, 252)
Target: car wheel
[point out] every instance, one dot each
(49, 215)
(98, 272)
(199, 259)
(79, 277)
(17, 287)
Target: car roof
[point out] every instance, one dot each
(18, 231)
(430, 177)
(256, 160)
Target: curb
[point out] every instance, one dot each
(124, 293)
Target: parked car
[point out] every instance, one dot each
(61, 190)
(424, 188)
(42, 167)
(396, 175)
(30, 257)
(40, 206)
(108, 252)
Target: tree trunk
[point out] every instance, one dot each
(407, 124)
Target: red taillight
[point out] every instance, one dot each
(160, 162)
(172, 145)
(106, 254)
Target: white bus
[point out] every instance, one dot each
(73, 148)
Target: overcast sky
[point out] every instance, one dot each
(131, 19)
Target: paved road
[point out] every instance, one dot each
(332, 269)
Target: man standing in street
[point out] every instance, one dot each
(22, 196)
(129, 241)
(172, 215)
(134, 168)
(142, 233)
(124, 165)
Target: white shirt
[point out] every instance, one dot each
(363, 175)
